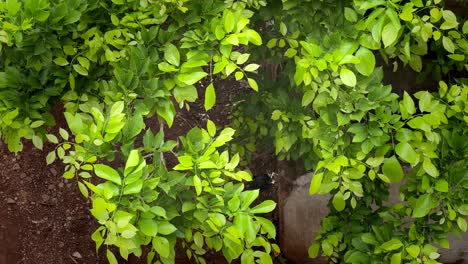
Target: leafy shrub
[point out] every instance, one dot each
(321, 100)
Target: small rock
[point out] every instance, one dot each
(69, 218)
(53, 171)
(76, 254)
(10, 201)
(16, 166)
(54, 200)
(51, 187)
(23, 175)
(45, 197)
(33, 203)
(60, 185)
(61, 244)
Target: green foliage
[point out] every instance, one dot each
(115, 64)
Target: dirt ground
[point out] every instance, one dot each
(45, 219)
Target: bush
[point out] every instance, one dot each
(320, 99)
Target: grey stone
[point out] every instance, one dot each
(301, 214)
(76, 254)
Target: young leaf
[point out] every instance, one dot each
(80, 69)
(197, 184)
(83, 189)
(50, 157)
(389, 34)
(339, 202)
(37, 141)
(391, 245)
(366, 63)
(315, 183)
(348, 77)
(110, 256)
(423, 206)
(210, 97)
(161, 245)
(392, 169)
(264, 207)
(107, 173)
(405, 151)
(191, 78)
(253, 84)
(172, 55)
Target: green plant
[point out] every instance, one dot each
(321, 99)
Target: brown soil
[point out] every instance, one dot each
(45, 219)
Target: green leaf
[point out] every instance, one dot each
(52, 138)
(465, 27)
(348, 77)
(448, 44)
(118, 2)
(253, 37)
(389, 34)
(80, 69)
(450, 20)
(166, 228)
(339, 202)
(268, 226)
(197, 184)
(350, 14)
(391, 245)
(315, 183)
(314, 250)
(264, 207)
(50, 158)
(423, 206)
(110, 256)
(83, 189)
(253, 84)
(283, 28)
(229, 21)
(161, 245)
(408, 104)
(308, 97)
(37, 141)
(392, 169)
(166, 111)
(13, 6)
(406, 152)
(107, 173)
(248, 197)
(366, 63)
(210, 97)
(251, 67)
(133, 188)
(211, 127)
(148, 227)
(396, 258)
(63, 133)
(461, 222)
(60, 61)
(234, 203)
(429, 168)
(191, 78)
(392, 14)
(413, 250)
(172, 55)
